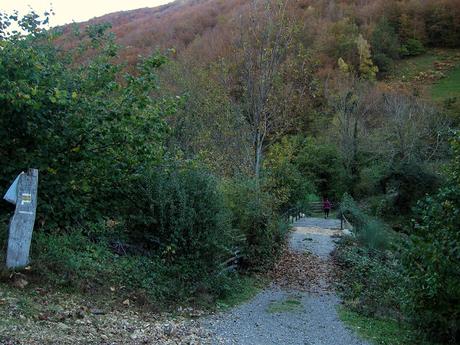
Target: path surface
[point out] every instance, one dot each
(285, 316)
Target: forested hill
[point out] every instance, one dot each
(175, 25)
(207, 26)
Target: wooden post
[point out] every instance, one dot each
(22, 222)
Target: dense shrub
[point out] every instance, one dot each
(420, 272)
(408, 182)
(177, 212)
(73, 261)
(254, 216)
(84, 126)
(433, 264)
(371, 281)
(370, 231)
(302, 166)
(284, 179)
(432, 261)
(412, 47)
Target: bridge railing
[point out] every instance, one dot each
(294, 214)
(297, 212)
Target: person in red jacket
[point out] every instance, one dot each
(326, 207)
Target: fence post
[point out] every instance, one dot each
(22, 222)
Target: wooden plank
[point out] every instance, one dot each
(22, 222)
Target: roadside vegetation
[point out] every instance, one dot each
(381, 331)
(166, 180)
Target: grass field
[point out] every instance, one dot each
(441, 85)
(408, 69)
(448, 87)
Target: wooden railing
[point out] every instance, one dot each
(294, 214)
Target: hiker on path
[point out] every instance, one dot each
(326, 207)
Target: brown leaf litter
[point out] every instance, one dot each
(303, 272)
(58, 318)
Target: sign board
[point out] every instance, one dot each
(12, 192)
(22, 193)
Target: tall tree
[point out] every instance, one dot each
(353, 102)
(264, 41)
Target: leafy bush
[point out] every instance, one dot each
(370, 231)
(372, 281)
(84, 126)
(424, 280)
(253, 215)
(412, 47)
(300, 166)
(68, 258)
(289, 186)
(73, 261)
(433, 261)
(369, 180)
(177, 212)
(408, 182)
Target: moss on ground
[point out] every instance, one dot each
(291, 304)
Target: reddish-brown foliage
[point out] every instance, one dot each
(203, 30)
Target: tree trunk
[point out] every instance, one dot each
(258, 158)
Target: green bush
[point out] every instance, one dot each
(86, 127)
(177, 212)
(412, 47)
(432, 261)
(70, 258)
(406, 183)
(372, 280)
(369, 180)
(433, 264)
(253, 215)
(370, 231)
(289, 186)
(73, 261)
(298, 166)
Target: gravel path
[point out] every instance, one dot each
(276, 316)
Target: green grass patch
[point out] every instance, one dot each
(379, 331)
(448, 87)
(243, 290)
(408, 69)
(291, 304)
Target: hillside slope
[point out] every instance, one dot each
(176, 25)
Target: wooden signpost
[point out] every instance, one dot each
(22, 193)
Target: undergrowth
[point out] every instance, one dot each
(381, 331)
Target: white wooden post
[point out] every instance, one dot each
(22, 222)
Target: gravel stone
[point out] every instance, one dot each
(314, 320)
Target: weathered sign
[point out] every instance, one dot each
(23, 194)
